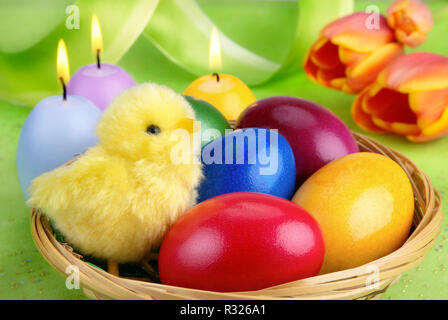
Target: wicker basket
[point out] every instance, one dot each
(347, 284)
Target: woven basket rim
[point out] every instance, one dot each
(345, 284)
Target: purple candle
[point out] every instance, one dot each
(99, 83)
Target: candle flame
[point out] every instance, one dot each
(215, 62)
(62, 66)
(97, 38)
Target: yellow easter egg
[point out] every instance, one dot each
(364, 204)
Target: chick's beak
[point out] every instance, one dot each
(188, 124)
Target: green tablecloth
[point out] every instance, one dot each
(24, 274)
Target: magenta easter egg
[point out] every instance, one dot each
(316, 135)
(239, 242)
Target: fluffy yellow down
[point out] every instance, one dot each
(118, 200)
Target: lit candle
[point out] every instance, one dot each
(225, 92)
(57, 129)
(99, 82)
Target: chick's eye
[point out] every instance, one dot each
(153, 129)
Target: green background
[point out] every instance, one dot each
(24, 274)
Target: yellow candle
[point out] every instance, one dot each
(225, 92)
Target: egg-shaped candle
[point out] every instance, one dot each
(227, 93)
(99, 82)
(57, 130)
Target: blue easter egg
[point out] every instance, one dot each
(252, 159)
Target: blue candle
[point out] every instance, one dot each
(57, 130)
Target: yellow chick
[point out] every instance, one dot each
(117, 201)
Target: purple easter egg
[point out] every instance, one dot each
(316, 135)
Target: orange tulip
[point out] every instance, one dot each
(349, 55)
(411, 20)
(409, 98)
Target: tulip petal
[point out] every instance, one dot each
(418, 71)
(352, 87)
(338, 83)
(390, 111)
(319, 43)
(352, 32)
(309, 67)
(362, 119)
(428, 136)
(368, 69)
(390, 106)
(404, 128)
(322, 64)
(411, 19)
(397, 127)
(326, 76)
(434, 131)
(376, 61)
(350, 57)
(326, 56)
(439, 127)
(413, 40)
(420, 138)
(428, 106)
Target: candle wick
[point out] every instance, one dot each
(64, 89)
(98, 62)
(217, 76)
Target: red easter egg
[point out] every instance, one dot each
(241, 242)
